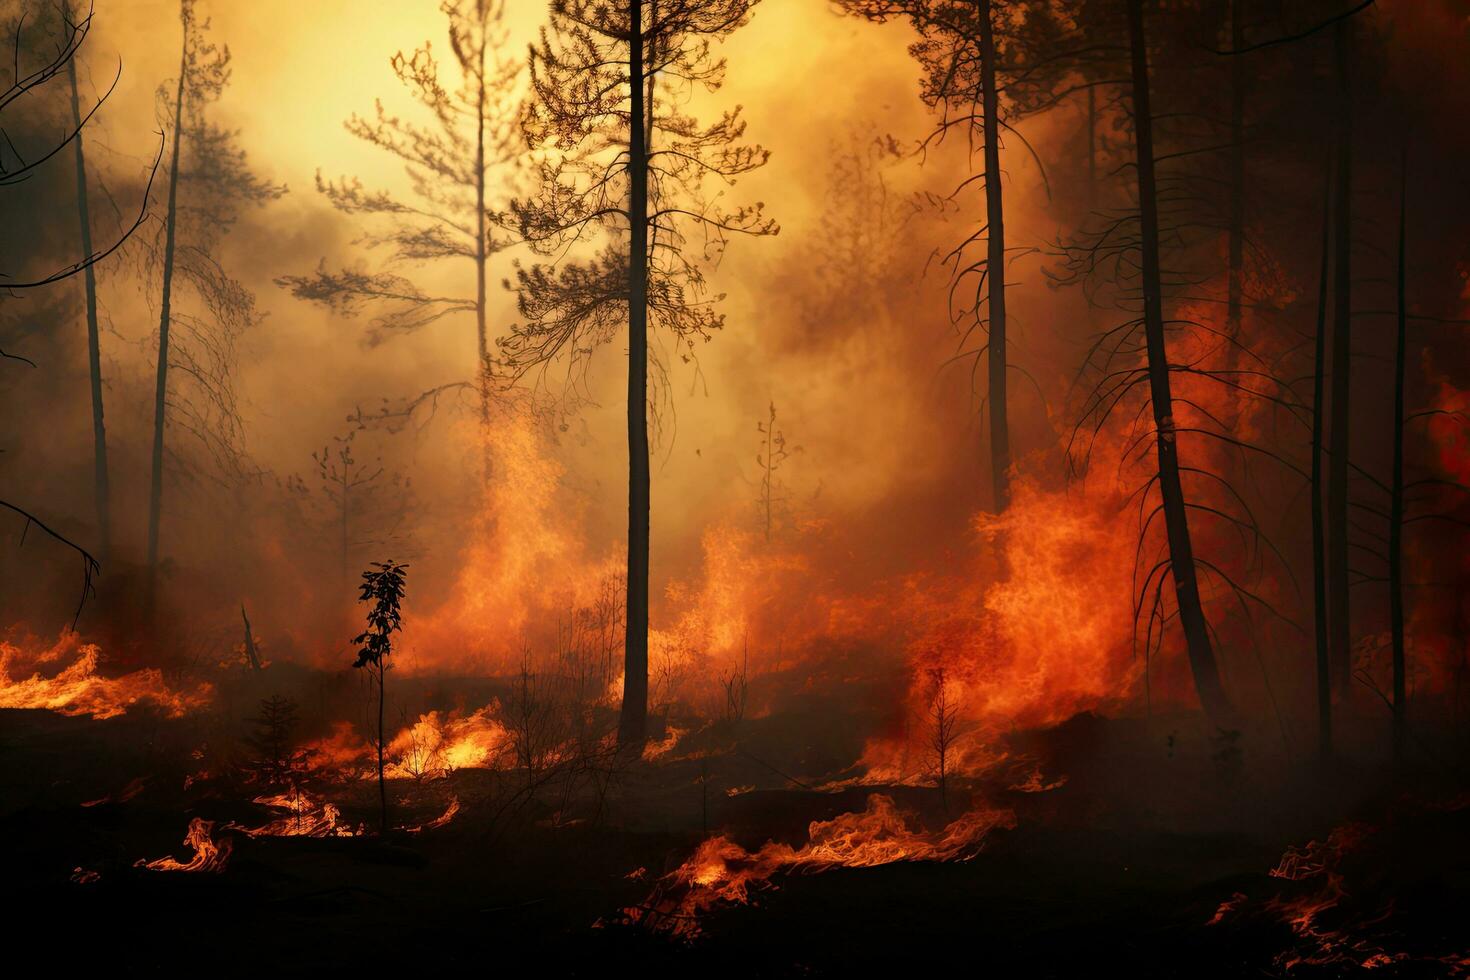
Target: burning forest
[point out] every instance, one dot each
(746, 487)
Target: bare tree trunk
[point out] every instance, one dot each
(1176, 522)
(481, 333)
(995, 268)
(382, 784)
(633, 722)
(1396, 505)
(101, 491)
(1319, 533)
(1091, 146)
(346, 518)
(160, 400)
(1339, 626)
(1237, 183)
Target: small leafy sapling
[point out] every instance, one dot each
(382, 587)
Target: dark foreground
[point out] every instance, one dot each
(1148, 862)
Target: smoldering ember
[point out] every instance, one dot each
(954, 487)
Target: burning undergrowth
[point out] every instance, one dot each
(66, 677)
(721, 872)
(1349, 900)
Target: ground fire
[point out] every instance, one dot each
(737, 487)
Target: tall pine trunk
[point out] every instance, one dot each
(101, 491)
(1339, 627)
(1176, 521)
(633, 722)
(995, 267)
(160, 399)
(1396, 505)
(1319, 533)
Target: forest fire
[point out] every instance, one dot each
(209, 856)
(64, 677)
(715, 487)
(721, 872)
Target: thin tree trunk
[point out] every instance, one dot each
(1339, 625)
(1176, 522)
(101, 490)
(481, 334)
(1237, 176)
(382, 784)
(346, 518)
(995, 267)
(633, 722)
(1396, 505)
(1319, 533)
(1091, 146)
(155, 493)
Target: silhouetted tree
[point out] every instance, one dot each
(970, 51)
(944, 719)
(773, 453)
(209, 181)
(608, 79)
(277, 759)
(1339, 446)
(41, 50)
(101, 492)
(452, 165)
(382, 588)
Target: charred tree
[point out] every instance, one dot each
(633, 715)
(160, 388)
(1176, 520)
(995, 264)
(1319, 531)
(606, 78)
(101, 492)
(1235, 285)
(194, 389)
(1396, 480)
(1339, 446)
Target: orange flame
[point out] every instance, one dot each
(721, 872)
(208, 855)
(76, 688)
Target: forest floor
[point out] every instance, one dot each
(1154, 858)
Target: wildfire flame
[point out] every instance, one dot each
(721, 872)
(63, 678)
(208, 855)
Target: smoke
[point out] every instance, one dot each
(881, 542)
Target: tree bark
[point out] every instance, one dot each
(995, 266)
(1319, 532)
(633, 721)
(101, 491)
(1176, 522)
(1339, 625)
(1396, 504)
(155, 492)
